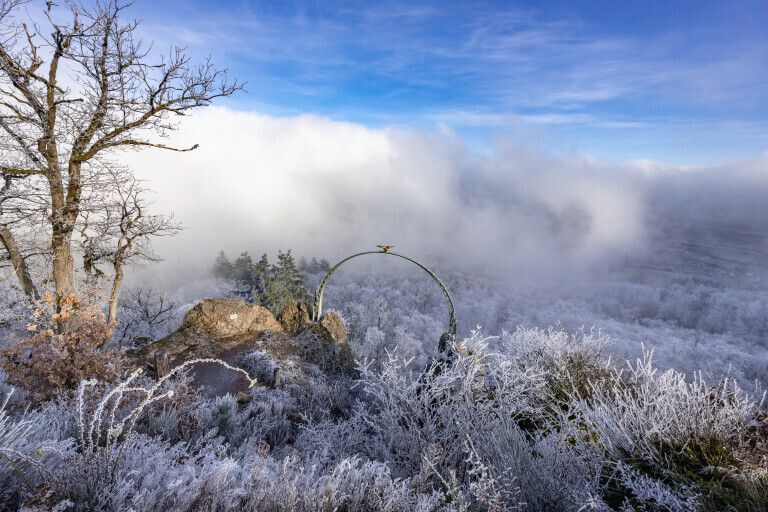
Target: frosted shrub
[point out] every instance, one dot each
(652, 492)
(665, 424)
(405, 422)
(306, 394)
(351, 484)
(48, 362)
(260, 364)
(165, 423)
(652, 411)
(220, 414)
(107, 429)
(565, 362)
(29, 458)
(156, 476)
(317, 389)
(270, 417)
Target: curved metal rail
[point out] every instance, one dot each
(317, 309)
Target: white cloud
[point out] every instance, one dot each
(328, 188)
(323, 187)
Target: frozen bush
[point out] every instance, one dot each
(165, 423)
(48, 362)
(351, 484)
(156, 476)
(219, 413)
(30, 456)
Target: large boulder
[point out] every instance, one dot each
(209, 328)
(335, 327)
(226, 329)
(223, 318)
(295, 316)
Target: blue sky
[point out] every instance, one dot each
(680, 82)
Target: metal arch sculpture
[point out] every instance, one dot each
(317, 309)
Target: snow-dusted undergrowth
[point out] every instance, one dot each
(531, 420)
(690, 325)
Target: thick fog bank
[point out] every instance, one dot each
(330, 188)
(670, 256)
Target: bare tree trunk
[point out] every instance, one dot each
(64, 213)
(19, 265)
(114, 296)
(162, 367)
(113, 299)
(63, 275)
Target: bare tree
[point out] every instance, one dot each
(9, 243)
(146, 314)
(78, 90)
(118, 231)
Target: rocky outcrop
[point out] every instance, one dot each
(223, 318)
(313, 345)
(226, 329)
(210, 328)
(335, 327)
(295, 316)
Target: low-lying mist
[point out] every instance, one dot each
(645, 252)
(329, 188)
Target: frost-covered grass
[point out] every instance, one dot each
(530, 420)
(536, 418)
(719, 328)
(692, 324)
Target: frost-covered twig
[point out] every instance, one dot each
(118, 432)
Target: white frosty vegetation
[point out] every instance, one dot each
(530, 420)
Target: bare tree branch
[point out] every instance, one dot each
(76, 92)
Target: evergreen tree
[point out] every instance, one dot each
(303, 266)
(242, 273)
(291, 280)
(277, 284)
(262, 277)
(286, 269)
(244, 268)
(275, 295)
(314, 266)
(324, 265)
(270, 286)
(222, 267)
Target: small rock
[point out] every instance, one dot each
(243, 398)
(295, 316)
(335, 326)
